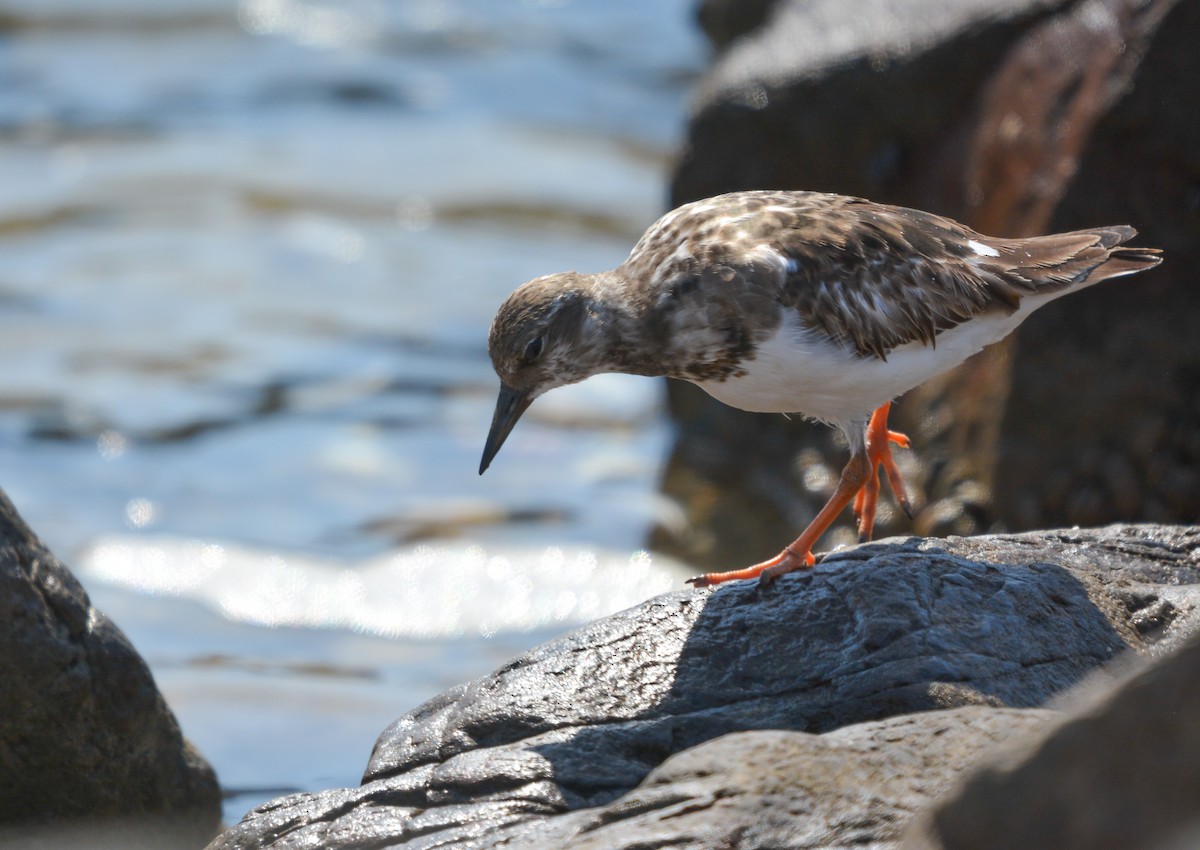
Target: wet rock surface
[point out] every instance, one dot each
(1016, 118)
(590, 738)
(85, 736)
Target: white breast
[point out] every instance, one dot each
(800, 371)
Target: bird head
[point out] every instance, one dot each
(543, 337)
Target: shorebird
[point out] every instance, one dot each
(794, 302)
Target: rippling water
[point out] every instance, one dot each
(248, 255)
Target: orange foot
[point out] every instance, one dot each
(798, 555)
(879, 453)
(766, 571)
(859, 482)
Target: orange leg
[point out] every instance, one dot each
(879, 452)
(859, 483)
(798, 554)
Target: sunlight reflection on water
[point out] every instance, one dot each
(246, 276)
(421, 592)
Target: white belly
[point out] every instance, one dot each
(797, 371)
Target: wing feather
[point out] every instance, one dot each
(875, 277)
(869, 276)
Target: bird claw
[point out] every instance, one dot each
(879, 454)
(860, 482)
(785, 562)
(766, 572)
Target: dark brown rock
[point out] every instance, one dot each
(874, 632)
(723, 21)
(85, 736)
(845, 97)
(994, 114)
(1105, 387)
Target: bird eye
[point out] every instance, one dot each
(534, 349)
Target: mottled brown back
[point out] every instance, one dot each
(871, 276)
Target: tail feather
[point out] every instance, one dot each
(1127, 261)
(1074, 258)
(1109, 237)
(1120, 260)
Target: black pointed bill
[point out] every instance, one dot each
(509, 407)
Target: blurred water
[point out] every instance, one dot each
(248, 255)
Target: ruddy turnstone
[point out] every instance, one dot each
(794, 302)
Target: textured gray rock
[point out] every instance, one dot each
(853, 787)
(84, 733)
(873, 632)
(1121, 772)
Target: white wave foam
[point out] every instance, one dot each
(423, 592)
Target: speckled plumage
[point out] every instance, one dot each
(713, 280)
(794, 302)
